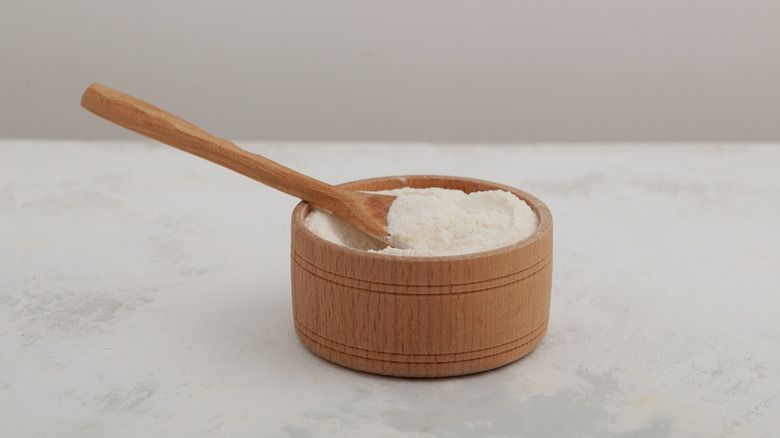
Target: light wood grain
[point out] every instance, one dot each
(422, 316)
(366, 211)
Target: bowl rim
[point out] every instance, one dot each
(541, 210)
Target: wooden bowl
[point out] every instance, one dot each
(422, 316)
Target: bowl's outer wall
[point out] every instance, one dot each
(422, 316)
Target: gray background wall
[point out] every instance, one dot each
(457, 70)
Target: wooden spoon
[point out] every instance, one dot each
(366, 211)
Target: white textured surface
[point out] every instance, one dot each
(144, 292)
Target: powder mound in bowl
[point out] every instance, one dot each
(437, 222)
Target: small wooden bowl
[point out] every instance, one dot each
(422, 316)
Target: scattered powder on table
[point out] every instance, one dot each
(437, 222)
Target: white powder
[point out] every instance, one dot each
(437, 222)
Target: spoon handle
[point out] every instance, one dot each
(148, 120)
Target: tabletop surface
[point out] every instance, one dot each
(146, 292)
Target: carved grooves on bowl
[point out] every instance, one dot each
(428, 290)
(440, 358)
